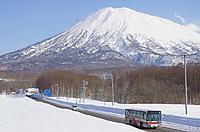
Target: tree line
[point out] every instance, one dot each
(137, 85)
(142, 85)
(159, 85)
(13, 81)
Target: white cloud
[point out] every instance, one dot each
(180, 18)
(194, 26)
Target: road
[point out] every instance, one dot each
(110, 118)
(121, 120)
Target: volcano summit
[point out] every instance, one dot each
(111, 36)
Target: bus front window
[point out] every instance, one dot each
(154, 117)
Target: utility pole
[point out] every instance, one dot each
(41, 94)
(103, 92)
(57, 89)
(76, 99)
(113, 94)
(83, 90)
(186, 94)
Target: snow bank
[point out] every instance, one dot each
(173, 114)
(24, 114)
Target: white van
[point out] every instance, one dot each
(31, 91)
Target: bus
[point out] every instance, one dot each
(143, 118)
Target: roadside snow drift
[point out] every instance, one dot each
(24, 114)
(172, 114)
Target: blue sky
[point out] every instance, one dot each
(25, 22)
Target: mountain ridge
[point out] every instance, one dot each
(110, 36)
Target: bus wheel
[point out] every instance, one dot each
(130, 122)
(141, 125)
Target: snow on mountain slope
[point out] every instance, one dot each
(125, 21)
(112, 36)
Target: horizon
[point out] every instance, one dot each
(30, 22)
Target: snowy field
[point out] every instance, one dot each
(173, 114)
(169, 109)
(26, 115)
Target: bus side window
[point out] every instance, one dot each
(138, 114)
(144, 116)
(133, 113)
(127, 113)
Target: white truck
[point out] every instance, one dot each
(31, 91)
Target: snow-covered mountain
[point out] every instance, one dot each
(110, 36)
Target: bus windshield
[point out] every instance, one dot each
(153, 117)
